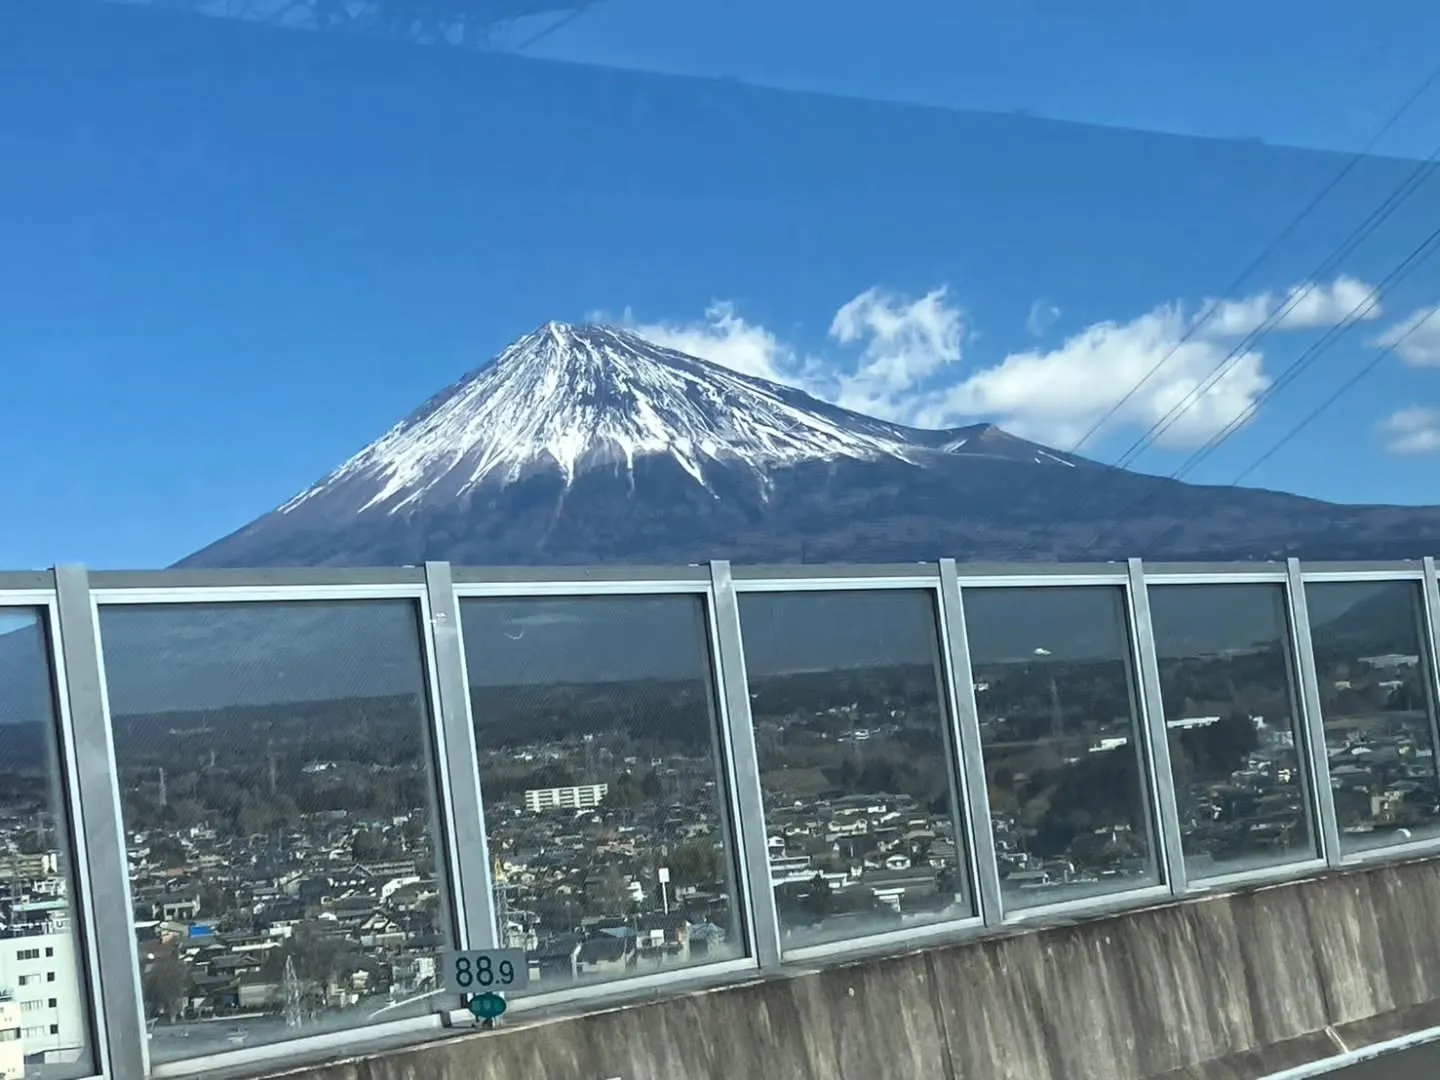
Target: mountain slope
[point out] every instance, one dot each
(589, 444)
(573, 400)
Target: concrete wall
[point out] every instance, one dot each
(1232, 985)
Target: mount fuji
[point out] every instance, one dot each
(590, 444)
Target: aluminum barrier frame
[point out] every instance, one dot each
(1099, 576)
(616, 583)
(926, 578)
(113, 1040)
(70, 600)
(169, 588)
(1296, 640)
(1422, 576)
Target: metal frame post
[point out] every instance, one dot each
(468, 843)
(965, 737)
(1313, 715)
(749, 795)
(954, 768)
(1152, 703)
(1431, 643)
(96, 811)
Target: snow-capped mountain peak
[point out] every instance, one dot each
(571, 398)
(590, 445)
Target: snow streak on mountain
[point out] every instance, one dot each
(591, 445)
(573, 398)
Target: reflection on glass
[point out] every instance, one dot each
(1374, 681)
(43, 1003)
(1054, 686)
(275, 779)
(850, 728)
(605, 803)
(1232, 723)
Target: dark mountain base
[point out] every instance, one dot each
(973, 509)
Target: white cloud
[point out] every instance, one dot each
(1416, 340)
(907, 346)
(1415, 430)
(902, 342)
(906, 342)
(1058, 396)
(1236, 318)
(1316, 306)
(724, 338)
(1041, 318)
(1307, 306)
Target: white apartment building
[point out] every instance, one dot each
(580, 797)
(39, 973)
(12, 1049)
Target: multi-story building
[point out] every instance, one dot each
(580, 797)
(39, 973)
(12, 1046)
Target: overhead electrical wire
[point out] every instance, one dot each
(1293, 371)
(1319, 410)
(1360, 313)
(580, 8)
(1343, 389)
(1417, 177)
(1385, 128)
(1361, 232)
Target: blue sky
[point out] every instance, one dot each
(1320, 75)
(233, 254)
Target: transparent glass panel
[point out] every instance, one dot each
(604, 785)
(1233, 725)
(44, 1002)
(1374, 678)
(1059, 724)
(276, 780)
(848, 699)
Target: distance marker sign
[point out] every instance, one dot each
(487, 1006)
(478, 970)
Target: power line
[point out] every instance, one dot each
(1320, 409)
(1422, 171)
(1362, 232)
(568, 17)
(1357, 314)
(1407, 187)
(1284, 234)
(1340, 392)
(1417, 176)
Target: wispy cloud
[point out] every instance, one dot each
(723, 337)
(1236, 318)
(1306, 306)
(1041, 318)
(903, 344)
(1415, 339)
(1060, 395)
(893, 355)
(1415, 430)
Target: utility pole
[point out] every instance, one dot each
(502, 903)
(293, 991)
(1057, 717)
